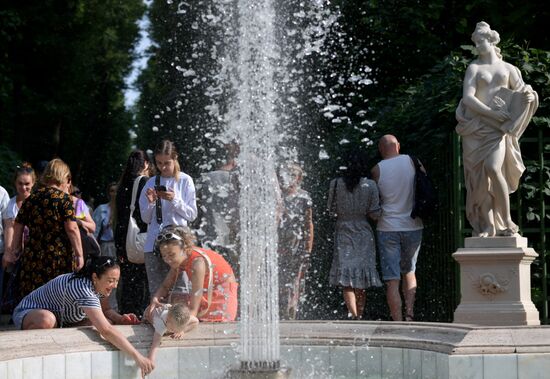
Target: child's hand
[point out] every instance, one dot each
(129, 319)
(177, 336)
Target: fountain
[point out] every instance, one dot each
(254, 118)
(260, 346)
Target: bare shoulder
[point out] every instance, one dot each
(375, 173)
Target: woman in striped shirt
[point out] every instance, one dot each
(70, 298)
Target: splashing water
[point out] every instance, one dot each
(262, 75)
(255, 121)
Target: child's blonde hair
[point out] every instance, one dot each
(180, 314)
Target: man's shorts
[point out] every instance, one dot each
(398, 252)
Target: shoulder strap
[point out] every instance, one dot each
(134, 194)
(415, 161)
(158, 204)
(210, 281)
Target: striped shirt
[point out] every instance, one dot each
(63, 297)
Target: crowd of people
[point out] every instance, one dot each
(191, 276)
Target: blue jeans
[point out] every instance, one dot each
(398, 252)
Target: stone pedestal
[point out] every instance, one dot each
(495, 282)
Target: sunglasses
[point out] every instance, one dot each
(27, 170)
(168, 236)
(108, 263)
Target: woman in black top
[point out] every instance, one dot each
(134, 293)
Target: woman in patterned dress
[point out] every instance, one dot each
(54, 246)
(353, 198)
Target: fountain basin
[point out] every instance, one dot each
(311, 349)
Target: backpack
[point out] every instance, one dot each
(425, 196)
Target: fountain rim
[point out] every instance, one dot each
(450, 339)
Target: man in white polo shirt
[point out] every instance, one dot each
(399, 235)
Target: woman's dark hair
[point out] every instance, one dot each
(97, 265)
(355, 169)
(134, 165)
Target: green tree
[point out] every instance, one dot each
(62, 82)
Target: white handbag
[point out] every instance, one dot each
(135, 241)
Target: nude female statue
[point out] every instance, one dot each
(495, 109)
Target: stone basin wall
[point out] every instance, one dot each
(311, 349)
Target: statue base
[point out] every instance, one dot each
(495, 282)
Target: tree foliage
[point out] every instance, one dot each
(61, 83)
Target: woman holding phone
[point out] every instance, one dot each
(166, 199)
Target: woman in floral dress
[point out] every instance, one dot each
(54, 246)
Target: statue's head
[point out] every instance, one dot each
(484, 30)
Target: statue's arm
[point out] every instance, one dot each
(517, 84)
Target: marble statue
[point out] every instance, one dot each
(494, 111)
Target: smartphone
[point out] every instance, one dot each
(160, 188)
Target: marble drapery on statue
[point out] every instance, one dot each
(494, 112)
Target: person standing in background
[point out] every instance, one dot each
(104, 232)
(295, 235)
(399, 235)
(54, 245)
(218, 208)
(24, 180)
(167, 199)
(133, 292)
(102, 218)
(4, 199)
(82, 212)
(352, 198)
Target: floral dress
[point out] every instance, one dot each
(48, 252)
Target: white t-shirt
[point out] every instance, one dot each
(179, 211)
(4, 199)
(11, 210)
(160, 315)
(396, 187)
